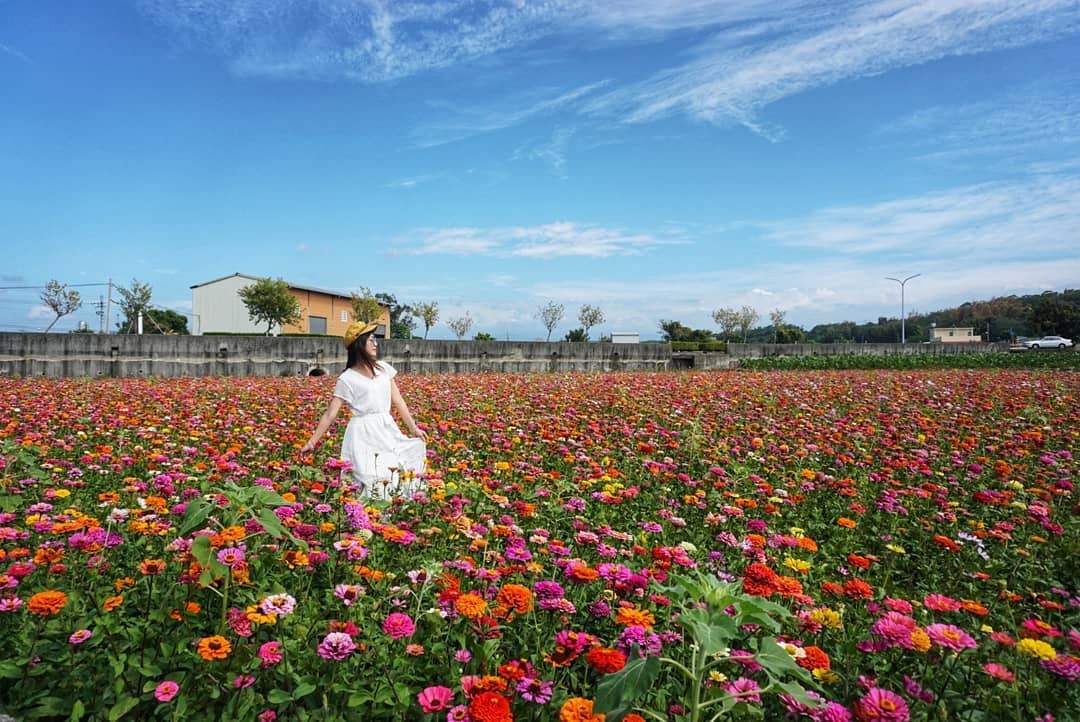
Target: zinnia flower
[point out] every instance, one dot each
(47, 603)
(951, 637)
(435, 699)
(577, 709)
(1036, 648)
(214, 647)
(398, 625)
(336, 646)
(166, 690)
(470, 605)
(270, 653)
(490, 707)
(605, 660)
(80, 636)
(998, 671)
(881, 705)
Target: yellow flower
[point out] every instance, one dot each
(800, 566)
(717, 676)
(828, 618)
(896, 548)
(1036, 648)
(825, 676)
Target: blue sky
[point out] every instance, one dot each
(656, 159)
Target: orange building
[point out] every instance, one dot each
(217, 308)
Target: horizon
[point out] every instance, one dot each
(656, 162)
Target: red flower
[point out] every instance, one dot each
(605, 660)
(490, 707)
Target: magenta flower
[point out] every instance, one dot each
(1000, 672)
(951, 637)
(231, 556)
(336, 646)
(80, 636)
(398, 625)
(243, 681)
(270, 653)
(165, 691)
(881, 705)
(435, 699)
(746, 689)
(535, 690)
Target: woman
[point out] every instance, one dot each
(385, 462)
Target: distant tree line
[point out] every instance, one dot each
(1000, 319)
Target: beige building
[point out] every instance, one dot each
(955, 334)
(216, 307)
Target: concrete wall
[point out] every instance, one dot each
(102, 355)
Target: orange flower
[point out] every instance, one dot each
(605, 660)
(858, 589)
(515, 597)
(629, 616)
(490, 707)
(47, 603)
(214, 647)
(579, 571)
(973, 607)
(759, 580)
(857, 561)
(946, 543)
(633, 717)
(845, 522)
(808, 544)
(815, 658)
(151, 567)
(577, 709)
(471, 605)
(112, 603)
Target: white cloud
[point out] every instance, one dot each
(726, 84)
(8, 50)
(1031, 217)
(546, 241)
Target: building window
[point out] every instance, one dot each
(344, 316)
(317, 324)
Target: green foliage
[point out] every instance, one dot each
(271, 302)
(674, 331)
(165, 321)
(60, 300)
(482, 336)
(1020, 360)
(133, 299)
(711, 346)
(577, 335)
(365, 306)
(716, 617)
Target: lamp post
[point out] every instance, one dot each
(903, 336)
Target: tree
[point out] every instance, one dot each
(483, 336)
(402, 323)
(550, 314)
(133, 301)
(747, 317)
(167, 321)
(365, 307)
(1052, 315)
(728, 321)
(428, 312)
(776, 316)
(60, 300)
(577, 335)
(460, 326)
(589, 316)
(270, 302)
(674, 331)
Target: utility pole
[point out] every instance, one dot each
(108, 310)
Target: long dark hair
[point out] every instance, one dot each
(359, 356)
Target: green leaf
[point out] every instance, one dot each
(122, 707)
(77, 711)
(359, 698)
(194, 516)
(776, 660)
(48, 707)
(278, 696)
(627, 684)
(271, 523)
(200, 549)
(10, 670)
(303, 690)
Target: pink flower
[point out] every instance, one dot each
(270, 653)
(435, 699)
(80, 636)
(267, 715)
(746, 689)
(998, 671)
(398, 625)
(243, 681)
(881, 705)
(940, 603)
(337, 646)
(951, 637)
(165, 691)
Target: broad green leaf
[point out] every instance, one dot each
(627, 684)
(194, 516)
(303, 690)
(122, 707)
(278, 696)
(200, 549)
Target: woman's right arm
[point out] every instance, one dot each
(324, 423)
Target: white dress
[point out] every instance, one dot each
(385, 462)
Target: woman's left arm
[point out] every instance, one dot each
(403, 409)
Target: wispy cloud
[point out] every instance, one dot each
(460, 123)
(728, 84)
(546, 241)
(1029, 218)
(1008, 129)
(8, 50)
(553, 152)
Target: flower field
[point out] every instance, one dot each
(835, 545)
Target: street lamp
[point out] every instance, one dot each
(903, 337)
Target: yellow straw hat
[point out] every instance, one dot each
(357, 329)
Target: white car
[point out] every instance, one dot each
(1049, 342)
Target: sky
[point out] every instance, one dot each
(655, 159)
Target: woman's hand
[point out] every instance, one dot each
(307, 448)
(419, 433)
